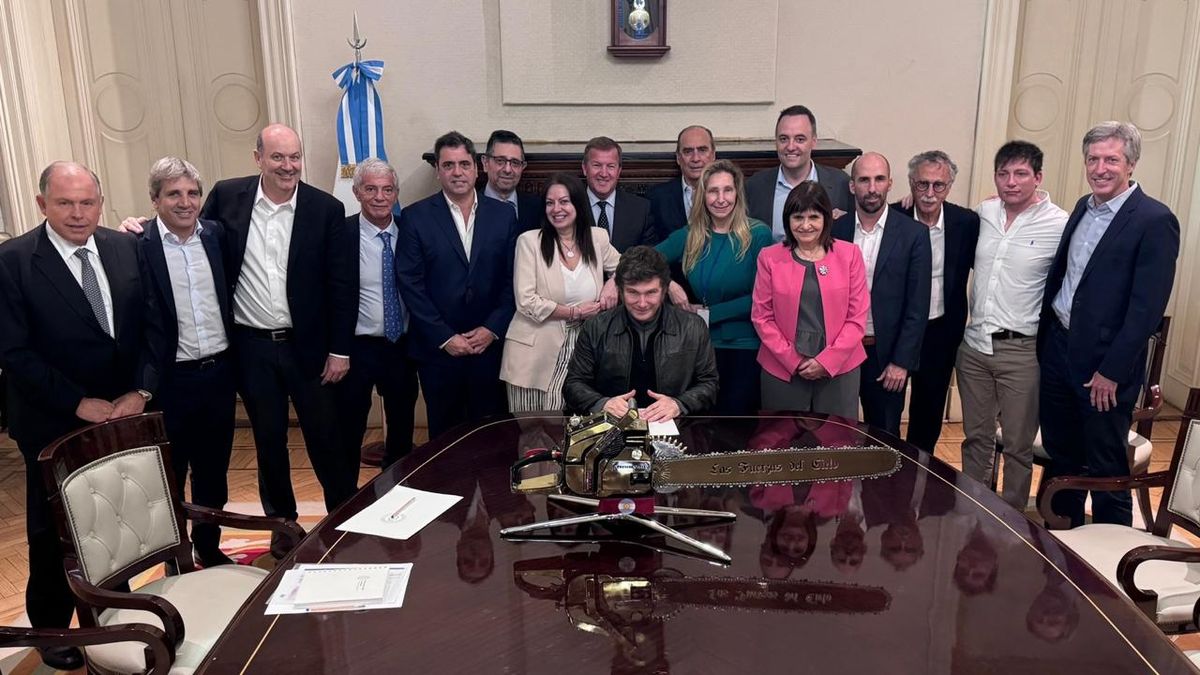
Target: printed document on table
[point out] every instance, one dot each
(400, 513)
(283, 601)
(667, 428)
(341, 584)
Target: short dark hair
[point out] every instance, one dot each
(794, 110)
(504, 136)
(452, 139)
(712, 142)
(1016, 151)
(548, 237)
(602, 143)
(808, 195)
(642, 263)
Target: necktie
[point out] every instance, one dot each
(91, 290)
(393, 311)
(602, 221)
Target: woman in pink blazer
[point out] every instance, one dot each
(809, 308)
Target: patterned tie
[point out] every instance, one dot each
(602, 221)
(393, 311)
(91, 289)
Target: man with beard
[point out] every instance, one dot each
(504, 162)
(897, 254)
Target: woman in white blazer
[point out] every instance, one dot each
(558, 281)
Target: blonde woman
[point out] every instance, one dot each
(558, 281)
(718, 250)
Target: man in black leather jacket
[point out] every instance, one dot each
(642, 352)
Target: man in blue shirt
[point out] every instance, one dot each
(1105, 297)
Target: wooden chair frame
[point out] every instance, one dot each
(158, 654)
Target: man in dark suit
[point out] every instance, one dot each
(625, 215)
(795, 140)
(897, 255)
(380, 348)
(454, 264)
(953, 232)
(73, 340)
(1106, 293)
(295, 299)
(671, 201)
(504, 162)
(183, 270)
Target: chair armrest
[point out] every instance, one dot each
(1147, 601)
(95, 596)
(1060, 483)
(159, 656)
(204, 514)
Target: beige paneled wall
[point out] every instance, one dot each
(871, 82)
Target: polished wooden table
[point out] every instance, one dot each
(924, 571)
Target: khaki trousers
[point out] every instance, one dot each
(1003, 385)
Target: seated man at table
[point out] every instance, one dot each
(642, 352)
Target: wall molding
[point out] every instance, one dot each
(1001, 40)
(277, 32)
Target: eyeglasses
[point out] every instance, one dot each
(938, 187)
(507, 161)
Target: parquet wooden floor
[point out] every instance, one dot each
(243, 490)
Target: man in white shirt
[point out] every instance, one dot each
(182, 262)
(295, 303)
(380, 348)
(997, 363)
(454, 265)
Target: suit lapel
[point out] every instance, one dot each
(212, 248)
(115, 269)
(157, 259)
(952, 261)
(890, 237)
(444, 223)
(47, 261)
(243, 210)
(1119, 222)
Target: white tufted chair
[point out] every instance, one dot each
(119, 515)
(1161, 575)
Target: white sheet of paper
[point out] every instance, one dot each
(341, 584)
(283, 601)
(703, 312)
(400, 513)
(667, 428)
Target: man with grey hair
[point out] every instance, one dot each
(953, 231)
(379, 351)
(182, 266)
(1105, 296)
(73, 321)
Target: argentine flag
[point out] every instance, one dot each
(359, 125)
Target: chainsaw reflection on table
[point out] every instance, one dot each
(614, 466)
(627, 594)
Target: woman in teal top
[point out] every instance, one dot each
(719, 251)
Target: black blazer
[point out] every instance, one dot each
(157, 283)
(51, 345)
(1116, 309)
(962, 233)
(446, 293)
(631, 224)
(900, 287)
(666, 207)
(530, 208)
(322, 283)
(760, 191)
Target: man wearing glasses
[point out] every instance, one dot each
(504, 162)
(953, 231)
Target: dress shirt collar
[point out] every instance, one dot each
(365, 225)
(454, 207)
(260, 196)
(66, 249)
(939, 224)
(611, 199)
(1115, 203)
(883, 216)
(780, 179)
(511, 199)
(688, 190)
(171, 237)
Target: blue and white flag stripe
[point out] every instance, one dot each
(360, 117)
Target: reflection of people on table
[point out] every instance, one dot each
(898, 503)
(848, 548)
(644, 352)
(791, 539)
(810, 309)
(558, 281)
(977, 564)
